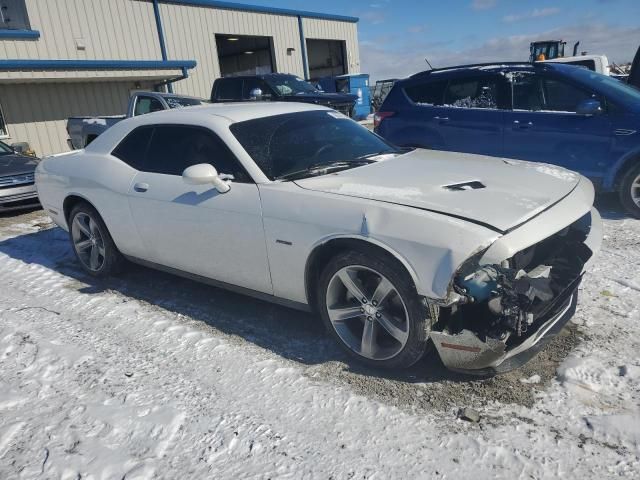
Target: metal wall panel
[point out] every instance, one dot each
(332, 30)
(37, 113)
(108, 29)
(190, 33)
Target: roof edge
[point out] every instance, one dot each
(263, 9)
(96, 64)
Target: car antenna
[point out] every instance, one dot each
(427, 60)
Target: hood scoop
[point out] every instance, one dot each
(474, 185)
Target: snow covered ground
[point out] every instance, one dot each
(151, 376)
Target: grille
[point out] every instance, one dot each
(16, 180)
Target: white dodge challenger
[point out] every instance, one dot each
(395, 249)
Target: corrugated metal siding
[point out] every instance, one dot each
(37, 113)
(331, 30)
(109, 29)
(85, 75)
(190, 33)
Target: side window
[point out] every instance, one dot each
(251, 83)
(146, 105)
(479, 92)
(429, 93)
(229, 89)
(133, 149)
(561, 96)
(527, 92)
(173, 148)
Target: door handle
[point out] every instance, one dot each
(522, 125)
(441, 119)
(141, 187)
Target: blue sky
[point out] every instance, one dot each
(396, 35)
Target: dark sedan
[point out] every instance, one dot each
(17, 188)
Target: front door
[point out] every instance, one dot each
(195, 228)
(544, 126)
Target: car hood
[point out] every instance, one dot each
(14, 164)
(497, 193)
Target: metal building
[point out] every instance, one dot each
(62, 58)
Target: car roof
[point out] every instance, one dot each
(494, 67)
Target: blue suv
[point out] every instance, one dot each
(543, 112)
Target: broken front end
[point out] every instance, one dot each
(504, 314)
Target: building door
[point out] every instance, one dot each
(326, 58)
(245, 55)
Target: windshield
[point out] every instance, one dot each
(5, 149)
(609, 86)
(290, 85)
(179, 102)
(308, 143)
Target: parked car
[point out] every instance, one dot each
(278, 87)
(546, 112)
(17, 187)
(84, 130)
(299, 205)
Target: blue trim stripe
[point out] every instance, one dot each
(19, 34)
(96, 64)
(263, 9)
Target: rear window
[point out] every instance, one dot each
(229, 89)
(133, 149)
(428, 93)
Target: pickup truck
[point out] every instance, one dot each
(278, 87)
(84, 130)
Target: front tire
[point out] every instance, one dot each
(370, 306)
(92, 243)
(630, 191)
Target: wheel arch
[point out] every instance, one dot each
(70, 201)
(614, 178)
(329, 247)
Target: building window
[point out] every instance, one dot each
(13, 15)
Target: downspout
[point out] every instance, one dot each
(185, 74)
(303, 49)
(163, 48)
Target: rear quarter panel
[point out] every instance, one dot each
(102, 180)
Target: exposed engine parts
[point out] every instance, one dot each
(508, 293)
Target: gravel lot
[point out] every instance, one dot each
(152, 376)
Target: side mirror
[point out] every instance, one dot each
(203, 174)
(589, 107)
(255, 94)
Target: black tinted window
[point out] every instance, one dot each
(133, 149)
(431, 93)
(230, 89)
(533, 92)
(293, 142)
(173, 148)
(561, 96)
(480, 92)
(251, 84)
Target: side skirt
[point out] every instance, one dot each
(226, 286)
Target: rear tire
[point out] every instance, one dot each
(370, 306)
(630, 191)
(92, 243)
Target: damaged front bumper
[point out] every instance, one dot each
(482, 338)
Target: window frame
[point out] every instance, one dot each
(234, 158)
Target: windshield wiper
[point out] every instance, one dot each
(320, 168)
(377, 154)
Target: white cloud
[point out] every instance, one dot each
(417, 29)
(380, 61)
(535, 13)
(374, 17)
(483, 4)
